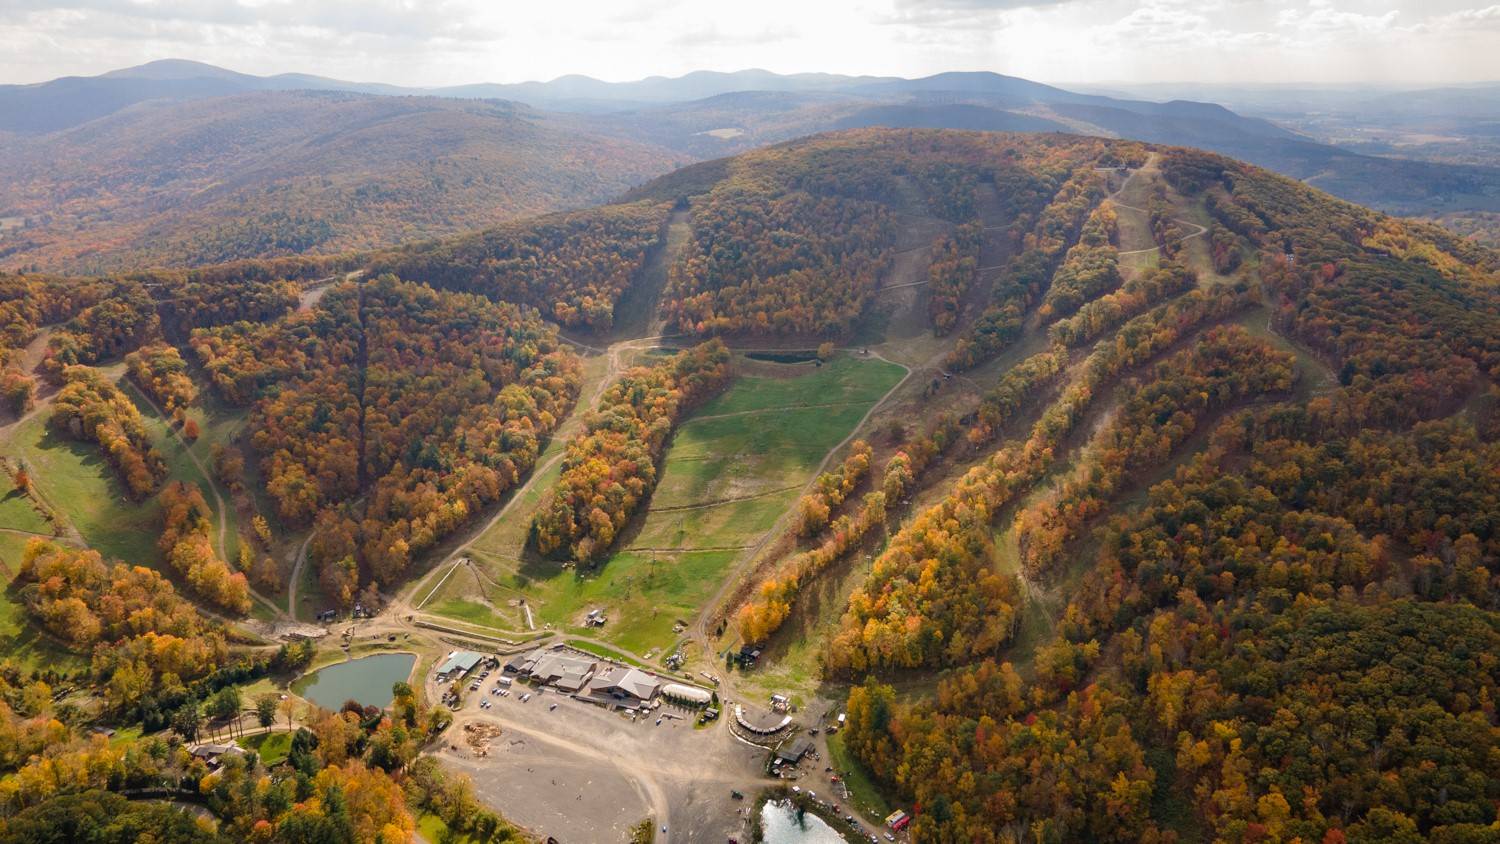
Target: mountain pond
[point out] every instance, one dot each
(367, 680)
(782, 823)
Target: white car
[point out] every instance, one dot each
(526, 697)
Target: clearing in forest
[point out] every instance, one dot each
(73, 477)
(733, 468)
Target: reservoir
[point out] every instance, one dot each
(367, 680)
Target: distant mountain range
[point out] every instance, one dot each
(158, 125)
(263, 173)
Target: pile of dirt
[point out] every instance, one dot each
(479, 736)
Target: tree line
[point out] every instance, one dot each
(610, 467)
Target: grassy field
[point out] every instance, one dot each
(19, 640)
(272, 747)
(74, 478)
(432, 829)
(16, 510)
(11, 545)
(181, 466)
(481, 615)
(87, 492)
(601, 650)
(730, 472)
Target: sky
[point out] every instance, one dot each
(444, 42)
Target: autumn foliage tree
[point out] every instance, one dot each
(954, 268)
(159, 370)
(142, 635)
(88, 407)
(186, 546)
(1284, 636)
(572, 267)
(391, 413)
(610, 467)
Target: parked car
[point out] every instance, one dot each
(526, 697)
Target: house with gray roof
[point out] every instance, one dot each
(630, 686)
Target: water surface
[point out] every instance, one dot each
(780, 824)
(367, 680)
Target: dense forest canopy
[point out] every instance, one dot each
(571, 267)
(1288, 640)
(391, 413)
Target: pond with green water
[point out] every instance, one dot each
(367, 680)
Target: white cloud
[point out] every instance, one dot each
(1468, 21)
(1327, 21)
(431, 42)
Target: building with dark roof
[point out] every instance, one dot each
(791, 751)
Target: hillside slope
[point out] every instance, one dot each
(430, 162)
(274, 173)
(1132, 493)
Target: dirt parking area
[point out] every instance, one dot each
(582, 774)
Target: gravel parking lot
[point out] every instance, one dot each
(583, 774)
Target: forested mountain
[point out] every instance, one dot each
(1183, 526)
(272, 173)
(181, 163)
(736, 122)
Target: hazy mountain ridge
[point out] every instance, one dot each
(207, 164)
(269, 173)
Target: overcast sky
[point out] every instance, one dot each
(439, 42)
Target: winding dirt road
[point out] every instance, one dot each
(1114, 199)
